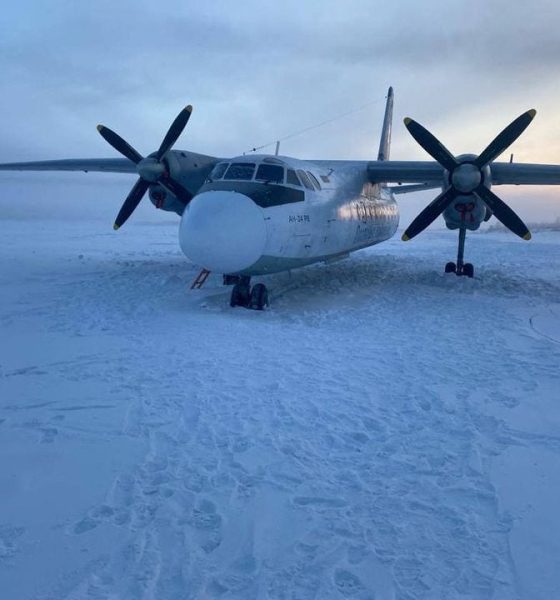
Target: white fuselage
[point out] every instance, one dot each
(254, 226)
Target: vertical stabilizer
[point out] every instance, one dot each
(385, 144)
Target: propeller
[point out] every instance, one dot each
(466, 176)
(152, 169)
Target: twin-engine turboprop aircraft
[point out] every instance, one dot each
(258, 214)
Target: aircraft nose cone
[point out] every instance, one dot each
(223, 231)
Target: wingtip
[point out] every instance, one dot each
(405, 237)
(115, 227)
(527, 236)
(100, 127)
(189, 108)
(532, 113)
(407, 120)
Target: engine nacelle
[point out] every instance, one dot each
(467, 209)
(161, 198)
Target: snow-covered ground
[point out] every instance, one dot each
(383, 431)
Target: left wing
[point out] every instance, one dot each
(105, 165)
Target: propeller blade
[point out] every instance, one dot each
(174, 132)
(431, 144)
(132, 200)
(505, 139)
(503, 212)
(176, 189)
(119, 144)
(430, 213)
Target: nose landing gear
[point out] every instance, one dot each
(242, 294)
(461, 268)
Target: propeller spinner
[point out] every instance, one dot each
(152, 169)
(466, 176)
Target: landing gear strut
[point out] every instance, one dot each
(461, 268)
(243, 295)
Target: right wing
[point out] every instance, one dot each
(431, 174)
(406, 171)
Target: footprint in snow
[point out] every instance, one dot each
(49, 435)
(94, 518)
(347, 583)
(86, 524)
(193, 481)
(208, 525)
(8, 540)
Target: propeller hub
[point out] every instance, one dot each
(151, 169)
(466, 178)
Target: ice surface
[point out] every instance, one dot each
(383, 431)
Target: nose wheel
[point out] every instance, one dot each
(243, 294)
(467, 269)
(460, 268)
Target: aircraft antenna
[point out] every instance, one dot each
(317, 125)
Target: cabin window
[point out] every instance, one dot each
(218, 171)
(314, 180)
(305, 180)
(270, 174)
(240, 171)
(293, 178)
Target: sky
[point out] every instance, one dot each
(257, 71)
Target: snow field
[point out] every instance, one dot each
(383, 431)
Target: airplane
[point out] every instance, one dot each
(258, 214)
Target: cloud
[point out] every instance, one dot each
(259, 70)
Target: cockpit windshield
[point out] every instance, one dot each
(240, 171)
(270, 174)
(218, 171)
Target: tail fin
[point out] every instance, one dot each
(385, 144)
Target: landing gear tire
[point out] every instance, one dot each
(468, 270)
(450, 267)
(259, 297)
(240, 295)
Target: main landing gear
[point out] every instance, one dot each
(243, 294)
(461, 268)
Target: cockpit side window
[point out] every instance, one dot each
(240, 171)
(270, 174)
(218, 171)
(305, 180)
(314, 179)
(293, 178)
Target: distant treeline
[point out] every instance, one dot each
(548, 226)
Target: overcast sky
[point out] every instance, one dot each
(256, 71)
